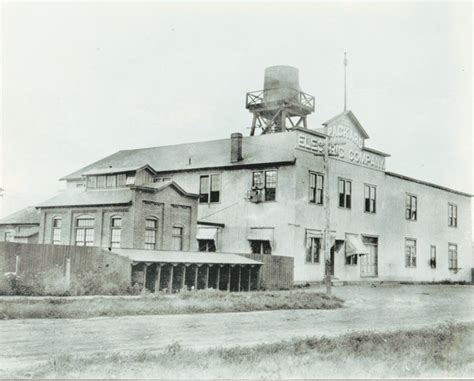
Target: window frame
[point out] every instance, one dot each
(209, 192)
(116, 244)
(151, 229)
(55, 229)
(370, 187)
(409, 208)
(452, 215)
(85, 229)
(410, 258)
(265, 187)
(262, 247)
(454, 259)
(345, 194)
(433, 257)
(313, 191)
(315, 255)
(180, 236)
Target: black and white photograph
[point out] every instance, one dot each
(236, 190)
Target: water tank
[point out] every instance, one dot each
(281, 83)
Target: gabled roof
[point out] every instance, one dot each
(353, 119)
(110, 170)
(256, 150)
(26, 216)
(186, 257)
(158, 187)
(89, 198)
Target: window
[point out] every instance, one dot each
(151, 227)
(57, 224)
(91, 181)
(411, 207)
(115, 232)
(121, 179)
(111, 181)
(369, 195)
(266, 182)
(433, 257)
(260, 247)
(209, 188)
(207, 245)
(453, 256)
(316, 181)
(351, 259)
(85, 231)
(452, 215)
(410, 252)
(345, 190)
(130, 179)
(177, 240)
(161, 179)
(313, 250)
(101, 181)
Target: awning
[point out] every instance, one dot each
(206, 233)
(261, 234)
(354, 245)
(184, 257)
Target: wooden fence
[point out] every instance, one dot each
(28, 260)
(276, 272)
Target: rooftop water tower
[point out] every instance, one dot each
(281, 105)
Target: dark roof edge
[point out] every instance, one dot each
(83, 205)
(377, 152)
(206, 223)
(393, 174)
(20, 223)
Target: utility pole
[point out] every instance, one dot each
(327, 228)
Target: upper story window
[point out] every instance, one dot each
(369, 196)
(85, 231)
(57, 224)
(316, 182)
(177, 238)
(101, 181)
(151, 230)
(266, 182)
(161, 179)
(345, 193)
(115, 232)
(410, 252)
(209, 188)
(452, 215)
(109, 181)
(411, 207)
(91, 181)
(453, 256)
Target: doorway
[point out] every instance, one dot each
(369, 261)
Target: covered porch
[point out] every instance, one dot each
(175, 271)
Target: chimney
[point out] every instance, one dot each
(235, 147)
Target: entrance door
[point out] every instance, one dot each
(368, 262)
(331, 262)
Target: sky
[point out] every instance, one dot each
(83, 80)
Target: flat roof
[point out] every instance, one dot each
(440, 187)
(184, 257)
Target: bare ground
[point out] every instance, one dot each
(381, 309)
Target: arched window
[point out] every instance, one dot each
(151, 229)
(177, 241)
(85, 231)
(56, 238)
(115, 232)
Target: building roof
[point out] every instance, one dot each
(27, 232)
(110, 170)
(262, 149)
(158, 187)
(89, 198)
(26, 216)
(354, 120)
(406, 178)
(185, 257)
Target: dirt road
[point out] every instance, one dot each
(367, 308)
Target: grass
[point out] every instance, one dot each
(442, 351)
(203, 301)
